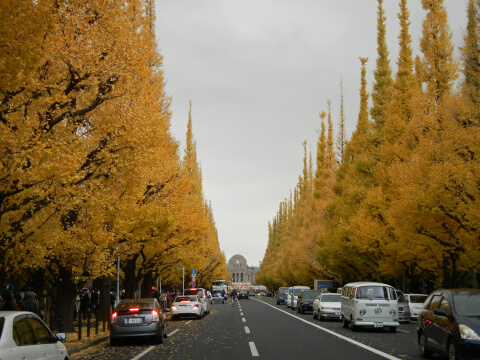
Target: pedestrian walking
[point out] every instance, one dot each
(30, 303)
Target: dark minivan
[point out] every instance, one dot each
(449, 324)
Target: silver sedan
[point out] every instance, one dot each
(327, 306)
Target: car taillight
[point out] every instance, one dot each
(134, 309)
(113, 319)
(195, 306)
(155, 317)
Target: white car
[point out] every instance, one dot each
(327, 306)
(415, 302)
(23, 335)
(187, 305)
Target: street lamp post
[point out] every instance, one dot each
(118, 275)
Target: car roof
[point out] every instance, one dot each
(366, 283)
(8, 313)
(460, 291)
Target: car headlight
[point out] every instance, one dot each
(467, 333)
(392, 312)
(363, 312)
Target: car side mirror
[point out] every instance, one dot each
(439, 312)
(60, 337)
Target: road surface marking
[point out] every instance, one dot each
(173, 332)
(188, 322)
(143, 353)
(243, 319)
(253, 348)
(247, 330)
(241, 313)
(378, 352)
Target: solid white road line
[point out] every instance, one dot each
(173, 332)
(378, 352)
(143, 353)
(247, 330)
(253, 348)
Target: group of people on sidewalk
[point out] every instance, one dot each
(28, 301)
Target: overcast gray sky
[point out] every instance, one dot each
(258, 72)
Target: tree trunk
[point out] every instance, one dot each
(147, 284)
(130, 277)
(65, 300)
(104, 284)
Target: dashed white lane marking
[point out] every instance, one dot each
(403, 331)
(244, 320)
(241, 314)
(378, 352)
(188, 322)
(143, 353)
(173, 332)
(253, 348)
(247, 330)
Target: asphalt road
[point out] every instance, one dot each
(258, 328)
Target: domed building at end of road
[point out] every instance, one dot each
(240, 272)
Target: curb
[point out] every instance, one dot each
(87, 345)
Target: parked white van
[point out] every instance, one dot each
(369, 304)
(293, 293)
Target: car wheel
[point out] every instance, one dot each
(159, 337)
(321, 317)
(452, 350)
(113, 342)
(422, 344)
(278, 302)
(345, 322)
(393, 329)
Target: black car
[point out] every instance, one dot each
(306, 299)
(449, 324)
(243, 294)
(282, 298)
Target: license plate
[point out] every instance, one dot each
(337, 313)
(135, 320)
(378, 324)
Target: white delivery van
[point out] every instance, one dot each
(370, 304)
(292, 296)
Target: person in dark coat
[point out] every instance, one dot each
(30, 304)
(9, 302)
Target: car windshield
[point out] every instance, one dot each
(401, 298)
(376, 292)
(418, 299)
(186, 298)
(296, 292)
(467, 304)
(133, 305)
(310, 295)
(331, 298)
(282, 295)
